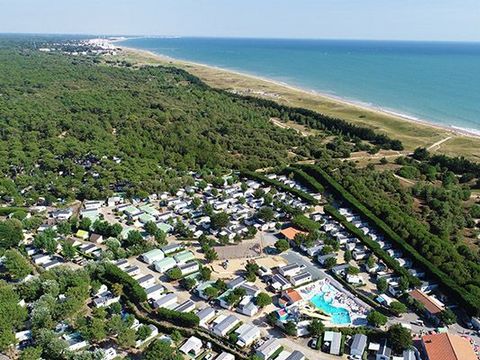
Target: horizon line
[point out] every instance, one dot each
(236, 37)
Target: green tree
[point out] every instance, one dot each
(126, 338)
(189, 283)
(205, 273)
(219, 220)
(347, 256)
(316, 328)
(143, 332)
(330, 262)
(371, 261)
(16, 265)
(263, 299)
(97, 330)
(85, 224)
(151, 228)
(382, 285)
(64, 228)
(134, 238)
(282, 245)
(376, 319)
(448, 317)
(265, 213)
(10, 233)
(176, 336)
(211, 292)
(68, 250)
(174, 274)
(31, 353)
(160, 349)
(211, 255)
(353, 270)
(398, 308)
(403, 283)
(290, 328)
(52, 346)
(399, 337)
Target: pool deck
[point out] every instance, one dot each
(356, 309)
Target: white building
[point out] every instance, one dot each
(224, 327)
(290, 269)
(247, 334)
(153, 255)
(268, 348)
(192, 347)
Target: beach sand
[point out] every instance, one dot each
(412, 132)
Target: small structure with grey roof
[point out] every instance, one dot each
(171, 248)
(184, 256)
(301, 278)
(358, 345)
(222, 328)
(186, 306)
(206, 315)
(384, 352)
(166, 301)
(332, 341)
(296, 355)
(268, 348)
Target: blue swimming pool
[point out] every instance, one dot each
(340, 316)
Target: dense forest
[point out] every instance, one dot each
(73, 127)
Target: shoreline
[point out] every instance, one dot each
(398, 116)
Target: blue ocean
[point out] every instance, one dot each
(432, 81)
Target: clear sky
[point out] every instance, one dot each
(351, 19)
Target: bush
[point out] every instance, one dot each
(263, 299)
(282, 245)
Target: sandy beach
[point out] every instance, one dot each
(411, 131)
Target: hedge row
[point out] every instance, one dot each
(307, 180)
(374, 246)
(304, 223)
(131, 287)
(471, 302)
(178, 318)
(4, 211)
(279, 185)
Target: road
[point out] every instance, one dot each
(294, 257)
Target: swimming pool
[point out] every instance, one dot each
(340, 316)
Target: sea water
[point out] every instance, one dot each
(437, 82)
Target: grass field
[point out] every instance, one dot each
(412, 134)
